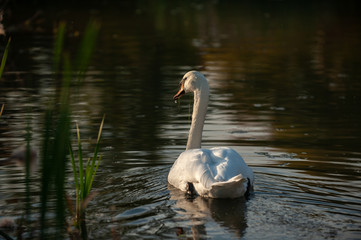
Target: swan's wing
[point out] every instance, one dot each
(233, 188)
(191, 166)
(232, 164)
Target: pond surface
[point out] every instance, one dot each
(285, 85)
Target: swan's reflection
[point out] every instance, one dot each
(229, 214)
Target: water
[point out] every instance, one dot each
(285, 92)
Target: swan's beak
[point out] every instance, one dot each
(180, 93)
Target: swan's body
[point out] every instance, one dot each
(217, 172)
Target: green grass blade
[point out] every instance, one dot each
(46, 172)
(61, 143)
(58, 46)
(86, 47)
(95, 171)
(81, 170)
(100, 129)
(74, 173)
(5, 56)
(91, 173)
(87, 187)
(65, 88)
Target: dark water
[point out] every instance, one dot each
(285, 93)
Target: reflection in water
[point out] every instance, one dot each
(203, 213)
(20, 156)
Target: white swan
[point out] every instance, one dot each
(218, 172)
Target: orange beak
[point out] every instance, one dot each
(180, 93)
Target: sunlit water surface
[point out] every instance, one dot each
(285, 94)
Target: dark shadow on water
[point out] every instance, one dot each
(229, 214)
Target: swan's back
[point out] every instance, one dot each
(231, 164)
(218, 172)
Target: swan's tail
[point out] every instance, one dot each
(235, 187)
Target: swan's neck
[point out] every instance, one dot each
(199, 114)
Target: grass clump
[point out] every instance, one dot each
(57, 139)
(83, 179)
(56, 145)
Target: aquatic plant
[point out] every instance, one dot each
(86, 49)
(56, 144)
(2, 66)
(54, 147)
(56, 140)
(2, 109)
(84, 180)
(5, 56)
(58, 46)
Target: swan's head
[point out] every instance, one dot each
(191, 82)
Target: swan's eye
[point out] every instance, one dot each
(183, 80)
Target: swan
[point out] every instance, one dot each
(219, 172)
